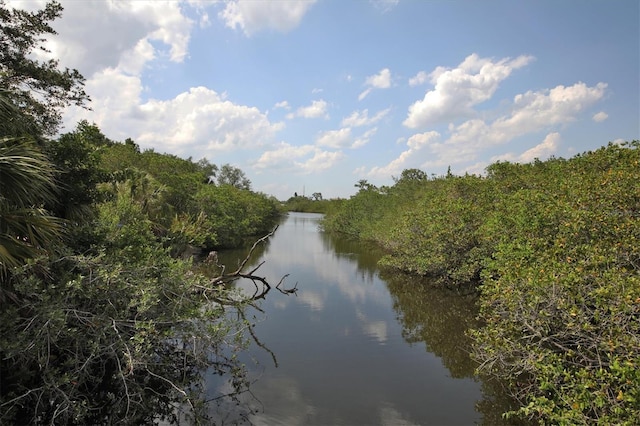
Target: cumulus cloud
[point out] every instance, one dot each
(96, 35)
(542, 151)
(364, 138)
(344, 138)
(197, 121)
(361, 118)
(408, 158)
(530, 112)
(283, 104)
(321, 160)
(420, 78)
(282, 155)
(536, 110)
(317, 109)
(335, 138)
(302, 159)
(201, 119)
(254, 16)
(600, 116)
(382, 80)
(456, 91)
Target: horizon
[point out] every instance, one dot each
(313, 96)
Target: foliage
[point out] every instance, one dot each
(124, 336)
(233, 213)
(315, 204)
(230, 175)
(356, 216)
(187, 208)
(77, 171)
(39, 88)
(438, 236)
(552, 248)
(561, 294)
(108, 325)
(26, 184)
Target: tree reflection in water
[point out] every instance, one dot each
(440, 318)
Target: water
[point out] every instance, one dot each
(354, 347)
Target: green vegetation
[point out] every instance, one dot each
(103, 318)
(553, 250)
(313, 204)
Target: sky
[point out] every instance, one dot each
(314, 96)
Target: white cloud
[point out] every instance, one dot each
(364, 94)
(384, 5)
(112, 43)
(203, 120)
(254, 16)
(537, 110)
(364, 139)
(282, 155)
(382, 80)
(457, 90)
(600, 116)
(421, 140)
(196, 122)
(408, 158)
(530, 112)
(321, 160)
(542, 151)
(283, 104)
(335, 138)
(361, 118)
(96, 35)
(317, 109)
(420, 78)
(299, 159)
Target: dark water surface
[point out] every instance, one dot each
(355, 347)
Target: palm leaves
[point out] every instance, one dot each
(26, 184)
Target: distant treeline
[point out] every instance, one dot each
(302, 204)
(553, 250)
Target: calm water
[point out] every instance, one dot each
(355, 347)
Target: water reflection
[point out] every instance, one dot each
(354, 347)
(436, 317)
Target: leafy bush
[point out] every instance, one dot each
(555, 249)
(561, 295)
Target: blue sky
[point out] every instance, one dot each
(312, 96)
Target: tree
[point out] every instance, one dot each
(26, 183)
(364, 185)
(317, 196)
(78, 173)
(208, 169)
(230, 175)
(38, 87)
(411, 175)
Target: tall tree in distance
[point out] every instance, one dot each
(230, 175)
(38, 87)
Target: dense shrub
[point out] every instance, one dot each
(553, 247)
(561, 293)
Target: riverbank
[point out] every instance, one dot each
(552, 249)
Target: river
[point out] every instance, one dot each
(355, 346)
